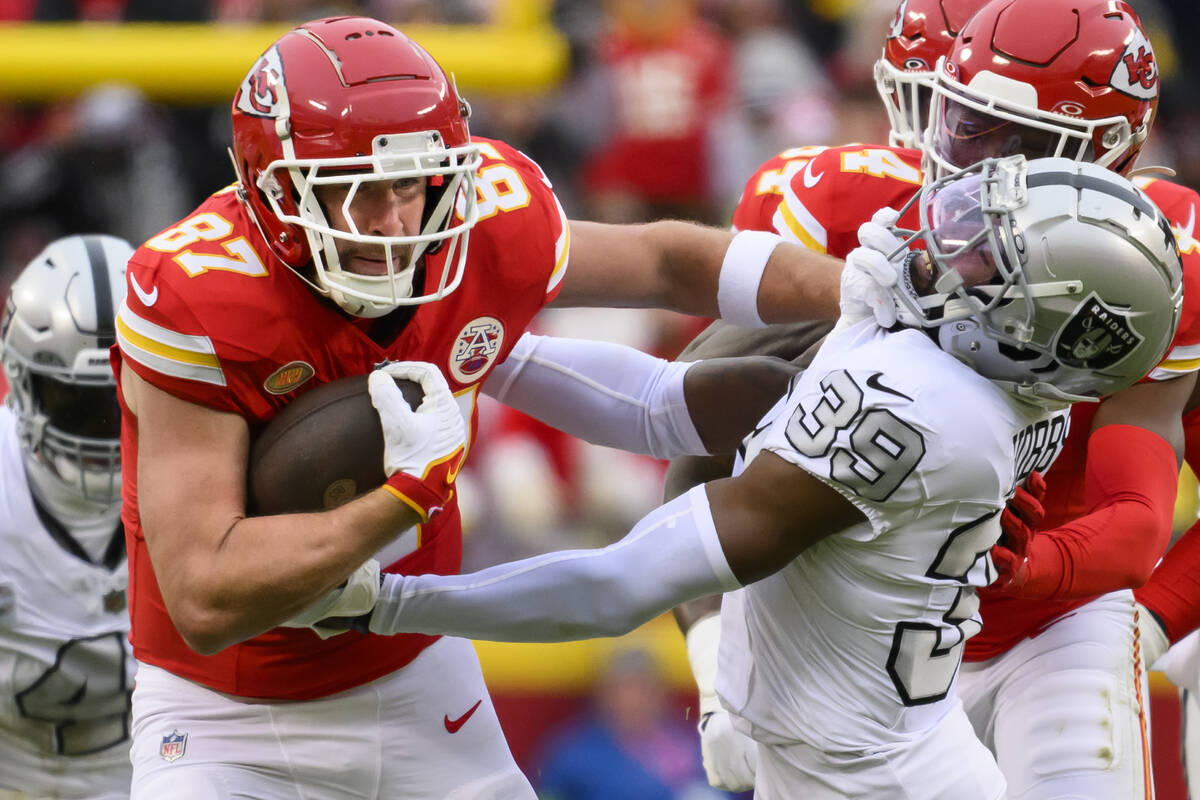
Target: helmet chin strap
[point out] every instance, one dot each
(357, 306)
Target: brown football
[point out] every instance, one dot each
(321, 450)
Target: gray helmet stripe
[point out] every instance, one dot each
(105, 326)
(1096, 184)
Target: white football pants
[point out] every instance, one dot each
(411, 734)
(946, 763)
(1066, 711)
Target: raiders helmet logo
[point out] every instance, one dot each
(1096, 337)
(1136, 71)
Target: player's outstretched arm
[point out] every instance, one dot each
(710, 540)
(616, 396)
(1134, 452)
(208, 557)
(750, 278)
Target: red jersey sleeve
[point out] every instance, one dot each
(519, 211)
(764, 191)
(1181, 205)
(191, 319)
(840, 188)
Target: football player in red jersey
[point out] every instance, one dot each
(1059, 78)
(366, 226)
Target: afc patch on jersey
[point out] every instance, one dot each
(475, 349)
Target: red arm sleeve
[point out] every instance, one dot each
(1173, 592)
(1130, 486)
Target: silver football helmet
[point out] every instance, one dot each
(54, 340)
(1059, 280)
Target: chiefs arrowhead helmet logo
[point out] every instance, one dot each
(1136, 71)
(263, 92)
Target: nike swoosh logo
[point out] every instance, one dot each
(809, 179)
(452, 725)
(148, 298)
(874, 383)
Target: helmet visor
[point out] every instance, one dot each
(964, 135)
(959, 231)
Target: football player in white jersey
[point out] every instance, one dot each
(66, 672)
(866, 502)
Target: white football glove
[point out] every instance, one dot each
(730, 756)
(868, 277)
(1153, 638)
(354, 597)
(422, 449)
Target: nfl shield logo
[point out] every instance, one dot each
(172, 746)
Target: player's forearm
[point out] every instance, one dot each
(267, 569)
(1173, 591)
(750, 278)
(800, 284)
(604, 393)
(617, 396)
(671, 555)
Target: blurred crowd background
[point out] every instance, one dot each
(665, 109)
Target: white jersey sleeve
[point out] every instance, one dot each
(858, 641)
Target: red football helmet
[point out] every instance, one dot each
(351, 101)
(922, 32)
(1073, 78)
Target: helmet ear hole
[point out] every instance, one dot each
(1019, 354)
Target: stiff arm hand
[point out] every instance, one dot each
(871, 272)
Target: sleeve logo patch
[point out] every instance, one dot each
(288, 377)
(475, 349)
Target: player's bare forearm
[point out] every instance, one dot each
(772, 512)
(677, 265)
(726, 397)
(225, 578)
(666, 264)
(268, 569)
(1157, 406)
(798, 285)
